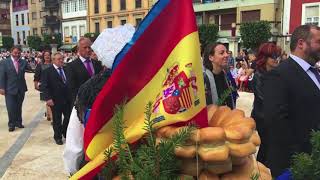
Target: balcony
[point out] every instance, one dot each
(51, 4)
(52, 21)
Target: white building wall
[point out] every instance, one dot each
(70, 26)
(74, 9)
(20, 28)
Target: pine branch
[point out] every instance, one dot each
(224, 96)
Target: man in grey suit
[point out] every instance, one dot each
(13, 86)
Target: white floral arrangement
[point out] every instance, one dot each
(111, 41)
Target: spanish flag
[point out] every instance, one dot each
(161, 64)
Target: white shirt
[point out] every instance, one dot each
(306, 67)
(73, 151)
(57, 69)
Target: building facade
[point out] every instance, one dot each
(20, 29)
(44, 17)
(111, 13)
(229, 14)
(5, 27)
(74, 20)
(296, 13)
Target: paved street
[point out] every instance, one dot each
(31, 153)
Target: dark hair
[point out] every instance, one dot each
(267, 50)
(209, 51)
(16, 47)
(301, 32)
(43, 52)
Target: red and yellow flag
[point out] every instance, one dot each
(161, 64)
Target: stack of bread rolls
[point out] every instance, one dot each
(223, 150)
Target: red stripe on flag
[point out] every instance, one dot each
(142, 62)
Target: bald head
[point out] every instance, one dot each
(84, 47)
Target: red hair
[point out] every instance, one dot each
(267, 50)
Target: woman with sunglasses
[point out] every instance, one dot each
(267, 59)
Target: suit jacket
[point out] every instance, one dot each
(54, 88)
(291, 107)
(11, 81)
(79, 74)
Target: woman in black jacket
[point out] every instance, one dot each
(267, 59)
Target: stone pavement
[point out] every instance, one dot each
(31, 153)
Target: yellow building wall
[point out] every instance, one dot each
(116, 15)
(38, 22)
(267, 11)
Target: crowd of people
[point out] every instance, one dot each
(285, 112)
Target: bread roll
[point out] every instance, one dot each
(218, 167)
(245, 171)
(161, 133)
(234, 116)
(211, 110)
(219, 115)
(205, 175)
(238, 134)
(212, 135)
(255, 139)
(241, 150)
(214, 153)
(238, 161)
(191, 167)
(185, 151)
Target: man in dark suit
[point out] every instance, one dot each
(83, 67)
(292, 100)
(56, 91)
(13, 86)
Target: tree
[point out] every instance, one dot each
(34, 42)
(208, 33)
(52, 39)
(255, 33)
(7, 42)
(91, 36)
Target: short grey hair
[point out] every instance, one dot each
(83, 39)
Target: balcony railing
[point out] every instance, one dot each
(51, 21)
(49, 4)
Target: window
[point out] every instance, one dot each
(28, 18)
(22, 19)
(74, 6)
(138, 4)
(82, 5)
(17, 20)
(44, 31)
(34, 15)
(123, 22)
(18, 37)
(250, 16)
(109, 24)
(226, 20)
(138, 21)
(82, 30)
(96, 6)
(35, 31)
(66, 31)
(66, 7)
(24, 37)
(97, 26)
(123, 5)
(312, 15)
(109, 5)
(33, 1)
(74, 31)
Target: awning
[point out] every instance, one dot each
(67, 47)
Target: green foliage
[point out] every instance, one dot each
(306, 166)
(149, 160)
(52, 39)
(208, 33)
(225, 95)
(255, 176)
(34, 42)
(7, 42)
(91, 36)
(255, 33)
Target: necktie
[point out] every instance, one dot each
(61, 75)
(16, 65)
(88, 67)
(315, 71)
